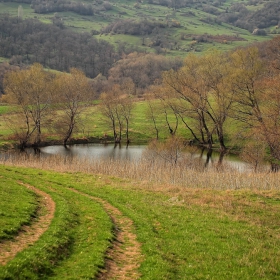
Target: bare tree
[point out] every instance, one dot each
(257, 99)
(116, 106)
(187, 85)
(31, 91)
(201, 88)
(110, 109)
(73, 93)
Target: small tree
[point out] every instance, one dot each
(116, 106)
(109, 108)
(20, 12)
(169, 152)
(153, 112)
(254, 153)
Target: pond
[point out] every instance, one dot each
(132, 153)
(97, 151)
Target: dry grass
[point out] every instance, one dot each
(156, 173)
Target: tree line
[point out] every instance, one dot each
(211, 91)
(45, 103)
(28, 41)
(237, 14)
(25, 42)
(132, 27)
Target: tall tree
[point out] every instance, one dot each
(73, 93)
(204, 99)
(257, 97)
(31, 91)
(189, 88)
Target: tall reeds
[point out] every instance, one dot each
(150, 171)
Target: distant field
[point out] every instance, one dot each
(190, 25)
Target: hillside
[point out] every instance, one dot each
(119, 42)
(161, 26)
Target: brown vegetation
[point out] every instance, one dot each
(190, 173)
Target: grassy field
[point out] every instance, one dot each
(141, 130)
(95, 125)
(198, 231)
(18, 206)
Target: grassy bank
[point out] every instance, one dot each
(94, 126)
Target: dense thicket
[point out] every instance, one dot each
(240, 16)
(132, 27)
(50, 6)
(142, 69)
(28, 41)
(5, 68)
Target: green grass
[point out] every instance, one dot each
(3, 59)
(53, 245)
(11, 8)
(188, 233)
(4, 109)
(81, 230)
(18, 207)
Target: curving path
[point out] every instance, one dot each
(124, 257)
(29, 234)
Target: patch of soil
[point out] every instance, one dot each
(124, 256)
(28, 235)
(215, 38)
(224, 38)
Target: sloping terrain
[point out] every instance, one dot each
(169, 27)
(111, 228)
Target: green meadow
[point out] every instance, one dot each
(184, 233)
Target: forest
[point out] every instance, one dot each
(27, 41)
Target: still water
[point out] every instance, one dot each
(132, 153)
(97, 151)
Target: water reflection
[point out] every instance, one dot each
(133, 153)
(97, 151)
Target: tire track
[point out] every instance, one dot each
(28, 235)
(124, 257)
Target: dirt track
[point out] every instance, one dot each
(29, 234)
(124, 257)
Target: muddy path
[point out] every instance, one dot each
(124, 257)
